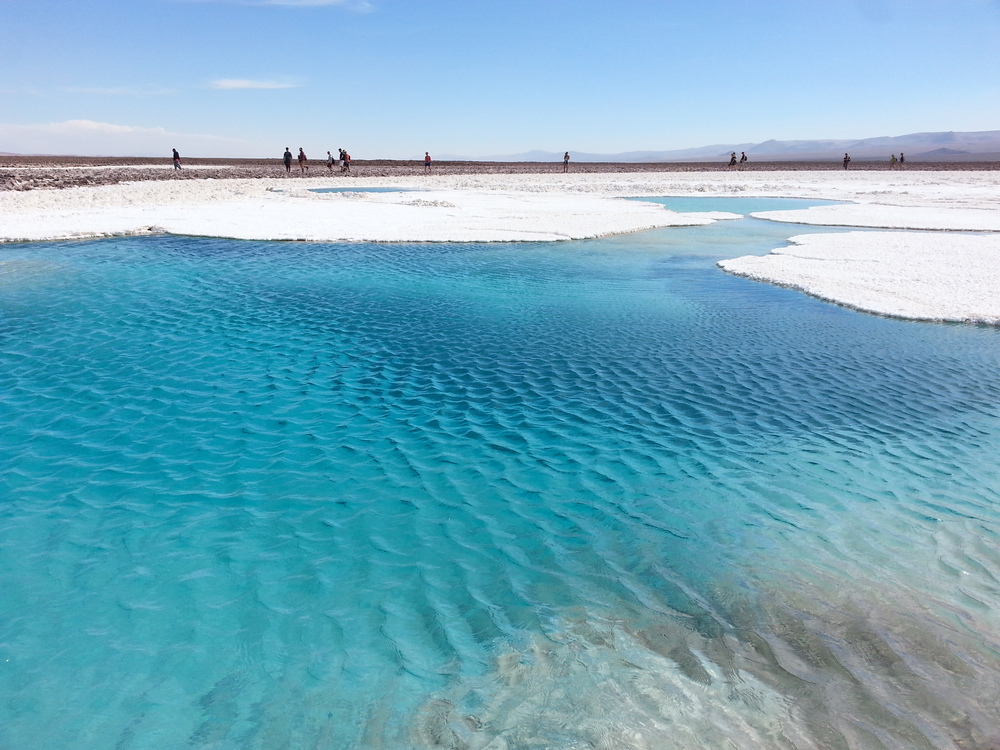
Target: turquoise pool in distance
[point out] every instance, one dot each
(586, 494)
(363, 190)
(745, 206)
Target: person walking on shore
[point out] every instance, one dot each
(743, 159)
(902, 159)
(892, 162)
(347, 162)
(427, 162)
(177, 159)
(329, 161)
(303, 166)
(287, 159)
(847, 160)
(566, 162)
(732, 160)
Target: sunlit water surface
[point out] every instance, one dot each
(574, 495)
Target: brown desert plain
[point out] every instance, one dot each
(54, 172)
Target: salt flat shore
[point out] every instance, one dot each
(931, 268)
(46, 172)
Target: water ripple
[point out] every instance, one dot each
(260, 495)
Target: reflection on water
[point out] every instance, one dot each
(591, 494)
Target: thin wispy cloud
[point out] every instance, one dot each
(28, 91)
(91, 137)
(93, 127)
(235, 84)
(88, 126)
(358, 6)
(121, 90)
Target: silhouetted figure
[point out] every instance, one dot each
(892, 162)
(287, 159)
(303, 166)
(902, 159)
(847, 160)
(329, 161)
(177, 159)
(732, 160)
(566, 162)
(427, 161)
(743, 158)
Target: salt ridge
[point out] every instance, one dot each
(937, 276)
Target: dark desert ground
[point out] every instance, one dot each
(54, 172)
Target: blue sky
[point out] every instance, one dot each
(395, 78)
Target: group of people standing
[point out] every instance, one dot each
(893, 161)
(743, 159)
(343, 160)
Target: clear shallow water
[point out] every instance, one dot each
(592, 494)
(745, 206)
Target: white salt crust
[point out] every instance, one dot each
(928, 275)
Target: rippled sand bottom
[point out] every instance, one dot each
(263, 495)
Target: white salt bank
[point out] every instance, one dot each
(927, 275)
(878, 216)
(273, 210)
(916, 275)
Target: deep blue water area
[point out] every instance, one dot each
(553, 495)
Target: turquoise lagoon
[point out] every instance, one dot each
(364, 190)
(590, 494)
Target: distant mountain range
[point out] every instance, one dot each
(949, 146)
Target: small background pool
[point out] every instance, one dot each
(363, 190)
(745, 206)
